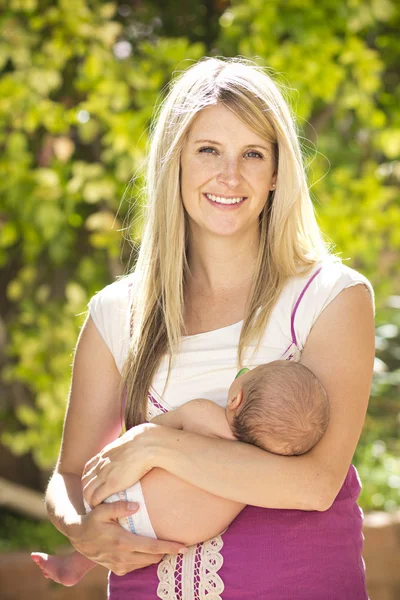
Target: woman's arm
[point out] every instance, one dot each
(340, 351)
(92, 421)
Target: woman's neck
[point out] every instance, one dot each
(222, 264)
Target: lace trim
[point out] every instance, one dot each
(194, 575)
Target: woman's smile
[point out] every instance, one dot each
(227, 205)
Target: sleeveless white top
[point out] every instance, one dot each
(205, 367)
(206, 363)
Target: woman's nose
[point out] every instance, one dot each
(230, 172)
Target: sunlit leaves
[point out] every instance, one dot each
(77, 93)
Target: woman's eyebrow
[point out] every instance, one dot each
(219, 144)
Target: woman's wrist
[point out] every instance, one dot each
(167, 448)
(73, 528)
(156, 438)
(68, 525)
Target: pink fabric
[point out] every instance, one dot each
(292, 554)
(281, 555)
(275, 554)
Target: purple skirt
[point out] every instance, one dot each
(264, 554)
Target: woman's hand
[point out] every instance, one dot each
(99, 537)
(119, 465)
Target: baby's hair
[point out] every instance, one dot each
(285, 409)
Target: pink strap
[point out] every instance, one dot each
(294, 339)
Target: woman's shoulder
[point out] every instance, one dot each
(308, 295)
(115, 293)
(326, 278)
(113, 301)
(336, 276)
(109, 309)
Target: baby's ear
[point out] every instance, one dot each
(230, 401)
(235, 401)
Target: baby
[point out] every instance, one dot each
(280, 407)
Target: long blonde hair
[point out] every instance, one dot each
(290, 239)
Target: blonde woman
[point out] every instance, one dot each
(233, 272)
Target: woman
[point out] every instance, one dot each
(232, 272)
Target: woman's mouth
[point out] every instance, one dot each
(225, 203)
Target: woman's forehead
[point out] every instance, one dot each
(218, 124)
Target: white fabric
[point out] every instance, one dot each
(205, 367)
(109, 310)
(206, 363)
(138, 522)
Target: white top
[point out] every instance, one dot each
(206, 363)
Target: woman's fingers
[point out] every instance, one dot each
(113, 469)
(147, 560)
(104, 541)
(93, 467)
(112, 511)
(96, 464)
(97, 484)
(90, 465)
(132, 563)
(151, 546)
(98, 489)
(91, 492)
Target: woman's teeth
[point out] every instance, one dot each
(224, 200)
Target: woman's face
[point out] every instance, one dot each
(234, 162)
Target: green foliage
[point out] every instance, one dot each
(42, 341)
(340, 59)
(78, 85)
(377, 457)
(17, 533)
(73, 128)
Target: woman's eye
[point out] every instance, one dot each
(254, 152)
(207, 148)
(204, 150)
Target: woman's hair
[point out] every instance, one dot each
(290, 239)
(285, 409)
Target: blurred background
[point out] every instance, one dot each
(79, 82)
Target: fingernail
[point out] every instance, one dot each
(182, 550)
(132, 505)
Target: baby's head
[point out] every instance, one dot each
(281, 407)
